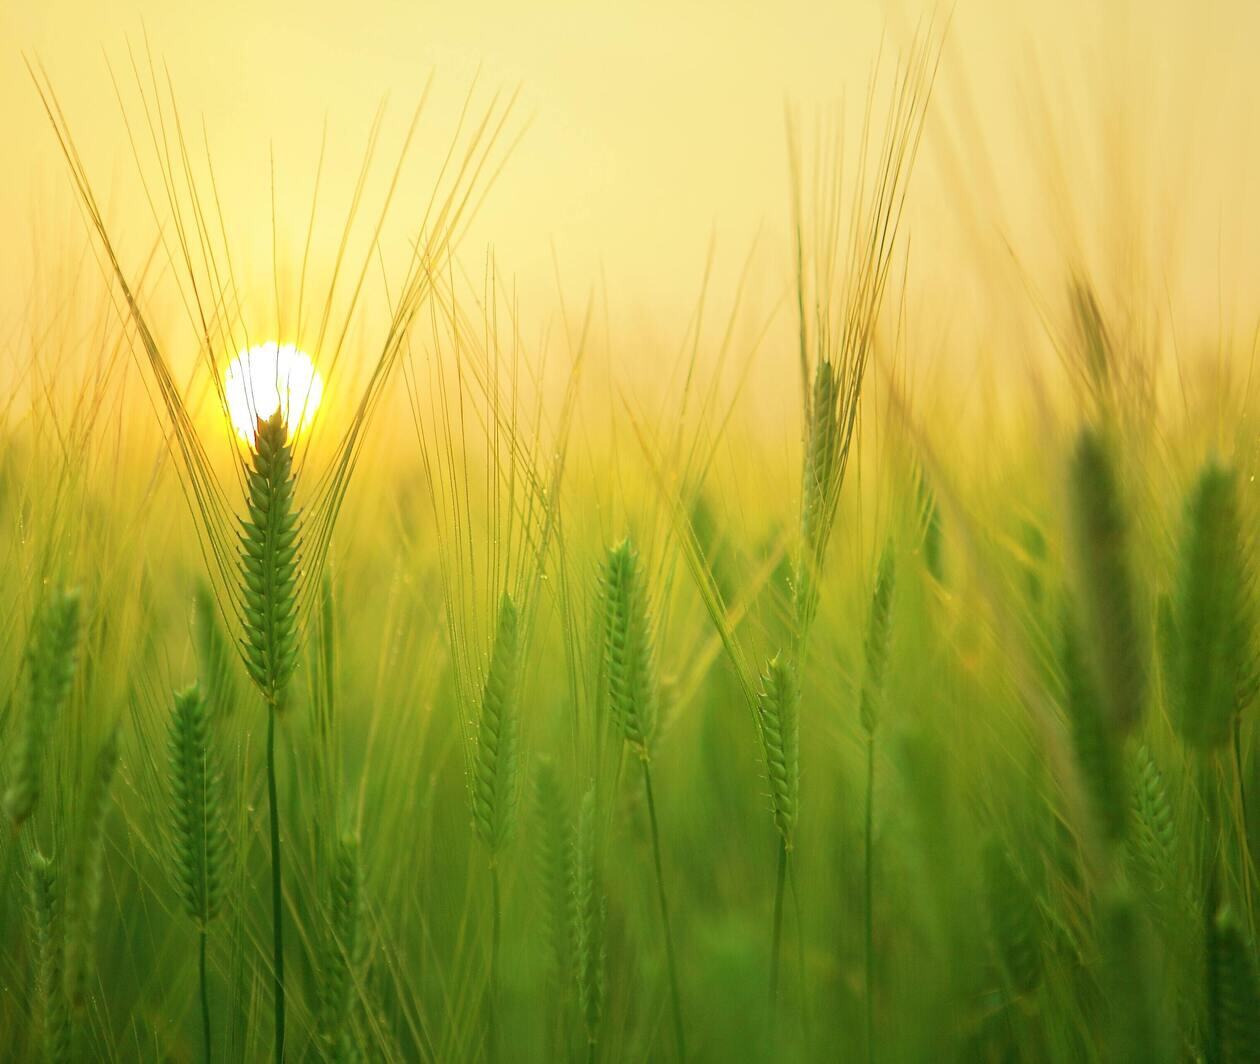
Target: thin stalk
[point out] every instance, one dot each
(205, 996)
(777, 933)
(492, 995)
(277, 897)
(870, 896)
(676, 999)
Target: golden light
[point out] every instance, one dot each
(267, 378)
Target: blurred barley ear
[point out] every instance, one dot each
(553, 861)
(1233, 991)
(1153, 840)
(1111, 629)
(83, 893)
(1014, 919)
(588, 916)
(1212, 646)
(215, 658)
(50, 663)
(200, 837)
(341, 955)
(494, 777)
(1136, 1025)
(878, 637)
(47, 937)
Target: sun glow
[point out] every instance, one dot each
(267, 378)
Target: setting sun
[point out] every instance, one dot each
(271, 377)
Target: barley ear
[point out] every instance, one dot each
(1100, 538)
(1153, 841)
(269, 562)
(1212, 651)
(342, 953)
(83, 896)
(1014, 919)
(878, 633)
(50, 662)
(779, 719)
(629, 662)
(46, 936)
(200, 839)
(1094, 742)
(1234, 992)
(495, 766)
(589, 910)
(554, 860)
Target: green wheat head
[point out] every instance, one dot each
(47, 943)
(589, 911)
(1111, 628)
(269, 562)
(629, 658)
(83, 896)
(50, 664)
(342, 953)
(1235, 990)
(1094, 742)
(779, 719)
(1014, 919)
(554, 863)
(200, 839)
(495, 762)
(1212, 650)
(878, 636)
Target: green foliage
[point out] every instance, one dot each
(269, 562)
(50, 662)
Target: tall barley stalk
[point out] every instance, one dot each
(269, 568)
(629, 661)
(199, 834)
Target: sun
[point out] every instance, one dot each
(267, 378)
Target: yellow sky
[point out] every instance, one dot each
(655, 127)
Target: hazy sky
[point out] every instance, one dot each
(656, 127)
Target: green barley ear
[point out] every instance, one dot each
(1215, 628)
(628, 649)
(1100, 536)
(1234, 990)
(50, 664)
(821, 452)
(214, 653)
(494, 770)
(342, 953)
(930, 523)
(779, 719)
(45, 916)
(1094, 742)
(878, 632)
(589, 909)
(1153, 842)
(269, 562)
(1014, 919)
(554, 863)
(1137, 1018)
(83, 898)
(197, 815)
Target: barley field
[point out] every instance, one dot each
(842, 646)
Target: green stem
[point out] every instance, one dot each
(669, 940)
(870, 895)
(492, 991)
(277, 897)
(205, 995)
(777, 933)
